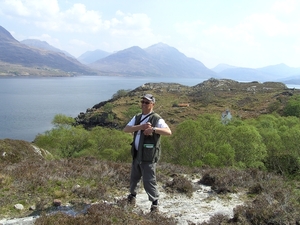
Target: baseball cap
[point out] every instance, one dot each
(149, 97)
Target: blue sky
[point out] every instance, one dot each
(244, 33)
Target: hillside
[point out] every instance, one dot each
(34, 57)
(246, 74)
(244, 100)
(220, 67)
(86, 190)
(38, 58)
(156, 60)
(279, 72)
(43, 45)
(19, 59)
(92, 56)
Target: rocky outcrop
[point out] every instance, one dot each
(231, 85)
(10, 151)
(246, 98)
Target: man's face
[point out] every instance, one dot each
(146, 105)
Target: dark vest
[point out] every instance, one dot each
(149, 145)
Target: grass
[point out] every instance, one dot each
(34, 181)
(37, 179)
(211, 96)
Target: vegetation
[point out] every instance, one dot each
(269, 142)
(257, 155)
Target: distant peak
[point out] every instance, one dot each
(5, 35)
(221, 67)
(160, 45)
(131, 49)
(35, 41)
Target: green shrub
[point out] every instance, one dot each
(64, 142)
(131, 111)
(120, 93)
(269, 141)
(292, 107)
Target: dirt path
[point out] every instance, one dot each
(199, 208)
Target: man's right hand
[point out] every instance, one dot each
(146, 126)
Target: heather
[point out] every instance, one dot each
(81, 165)
(95, 171)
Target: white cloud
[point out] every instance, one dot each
(284, 6)
(268, 24)
(262, 36)
(14, 8)
(47, 15)
(79, 19)
(78, 42)
(131, 27)
(191, 30)
(229, 36)
(30, 8)
(137, 21)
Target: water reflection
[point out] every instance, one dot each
(73, 210)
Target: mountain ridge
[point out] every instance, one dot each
(157, 60)
(19, 59)
(92, 56)
(44, 46)
(35, 57)
(279, 72)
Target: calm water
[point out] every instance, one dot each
(28, 105)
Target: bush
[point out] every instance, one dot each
(68, 141)
(64, 141)
(180, 184)
(292, 107)
(120, 93)
(104, 213)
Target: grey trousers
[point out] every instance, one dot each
(147, 171)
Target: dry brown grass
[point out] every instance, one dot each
(32, 180)
(272, 199)
(104, 213)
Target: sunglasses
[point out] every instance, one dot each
(144, 102)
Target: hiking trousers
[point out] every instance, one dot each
(147, 172)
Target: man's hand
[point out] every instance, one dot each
(147, 128)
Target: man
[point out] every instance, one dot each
(147, 128)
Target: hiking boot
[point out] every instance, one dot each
(131, 200)
(154, 209)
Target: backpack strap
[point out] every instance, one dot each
(139, 122)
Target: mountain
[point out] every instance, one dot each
(220, 67)
(156, 60)
(285, 74)
(279, 72)
(35, 43)
(246, 74)
(92, 56)
(19, 59)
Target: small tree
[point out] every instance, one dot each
(293, 107)
(108, 107)
(131, 111)
(120, 93)
(62, 120)
(248, 146)
(188, 143)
